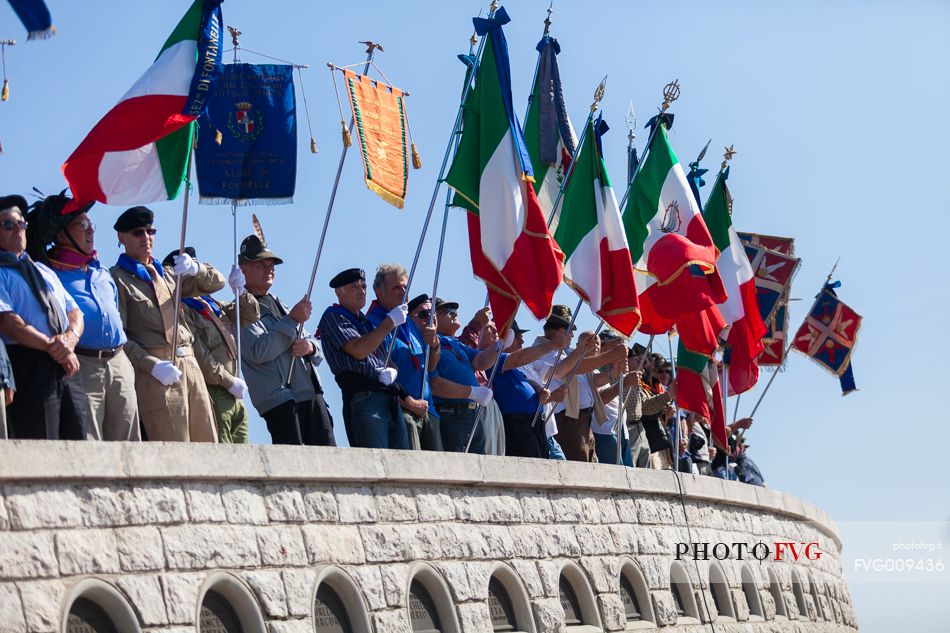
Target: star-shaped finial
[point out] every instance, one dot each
(730, 152)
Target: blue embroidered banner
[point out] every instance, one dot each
(247, 137)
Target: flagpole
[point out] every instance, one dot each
(449, 151)
(621, 413)
(371, 48)
(557, 361)
(640, 367)
(454, 143)
(788, 348)
(537, 63)
(676, 420)
(235, 35)
(181, 245)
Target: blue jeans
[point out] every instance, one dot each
(606, 448)
(554, 449)
(374, 421)
(456, 426)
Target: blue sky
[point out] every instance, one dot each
(837, 110)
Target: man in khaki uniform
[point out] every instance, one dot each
(216, 351)
(173, 401)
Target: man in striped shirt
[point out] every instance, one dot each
(356, 353)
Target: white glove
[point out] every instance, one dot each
(387, 375)
(166, 373)
(481, 395)
(509, 340)
(238, 389)
(398, 314)
(236, 280)
(185, 266)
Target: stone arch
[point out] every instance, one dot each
(775, 589)
(336, 597)
(577, 598)
(799, 593)
(682, 589)
(636, 585)
(93, 598)
(224, 595)
(429, 600)
(752, 598)
(722, 596)
(519, 602)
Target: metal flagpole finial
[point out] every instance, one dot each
(547, 20)
(833, 268)
(493, 6)
(671, 92)
(7, 42)
(599, 94)
(631, 119)
(371, 46)
(235, 34)
(702, 154)
(727, 156)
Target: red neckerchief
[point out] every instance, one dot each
(66, 258)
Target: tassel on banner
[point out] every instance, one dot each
(416, 159)
(5, 93)
(313, 145)
(347, 139)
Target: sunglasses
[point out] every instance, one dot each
(451, 313)
(143, 232)
(423, 314)
(9, 225)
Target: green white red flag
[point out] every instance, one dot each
(138, 152)
(590, 232)
(672, 251)
(741, 309)
(698, 390)
(511, 247)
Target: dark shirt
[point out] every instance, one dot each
(337, 326)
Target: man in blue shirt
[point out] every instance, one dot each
(41, 324)
(356, 352)
(422, 420)
(105, 372)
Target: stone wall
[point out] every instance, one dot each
(148, 533)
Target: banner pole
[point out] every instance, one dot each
(181, 244)
(557, 360)
(676, 420)
(370, 51)
(237, 295)
(571, 375)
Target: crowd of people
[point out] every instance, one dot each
(90, 353)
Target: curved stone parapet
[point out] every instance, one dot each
(188, 538)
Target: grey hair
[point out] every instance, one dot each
(385, 270)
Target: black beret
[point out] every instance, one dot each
(14, 200)
(254, 250)
(517, 330)
(170, 258)
(418, 301)
(347, 276)
(134, 218)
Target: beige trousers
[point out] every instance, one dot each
(110, 397)
(179, 413)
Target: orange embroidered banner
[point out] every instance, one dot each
(381, 133)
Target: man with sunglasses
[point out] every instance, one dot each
(173, 400)
(40, 323)
(356, 352)
(66, 243)
(420, 415)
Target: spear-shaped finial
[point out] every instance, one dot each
(727, 156)
(833, 268)
(547, 20)
(599, 94)
(492, 7)
(631, 120)
(702, 154)
(671, 92)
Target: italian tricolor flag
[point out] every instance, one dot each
(698, 390)
(740, 310)
(511, 248)
(590, 233)
(672, 251)
(138, 152)
(548, 132)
